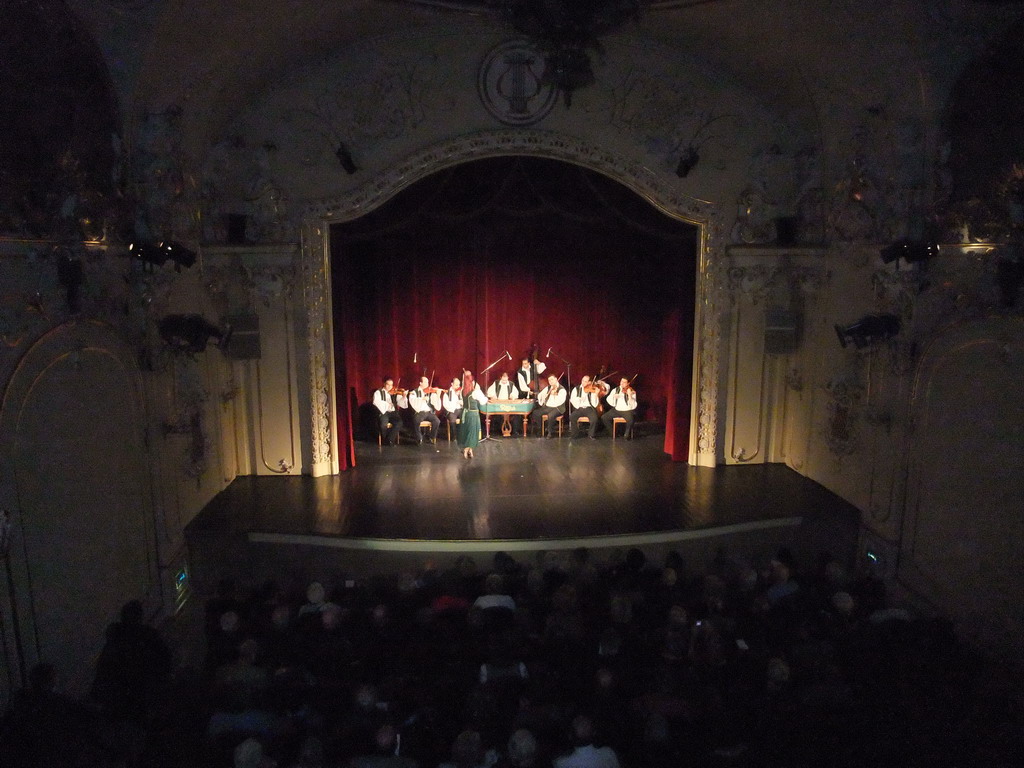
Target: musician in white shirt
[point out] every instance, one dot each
(451, 401)
(585, 398)
(424, 405)
(621, 405)
(526, 376)
(503, 389)
(387, 404)
(550, 403)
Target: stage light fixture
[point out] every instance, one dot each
(868, 330)
(144, 251)
(159, 253)
(189, 333)
(179, 254)
(911, 251)
(345, 158)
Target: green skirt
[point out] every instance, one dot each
(468, 434)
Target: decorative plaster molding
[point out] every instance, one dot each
(512, 83)
(660, 193)
(709, 301)
(464, 149)
(316, 295)
(844, 399)
(756, 271)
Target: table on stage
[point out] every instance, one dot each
(507, 409)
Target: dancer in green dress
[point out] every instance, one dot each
(468, 434)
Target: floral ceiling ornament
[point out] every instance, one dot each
(568, 32)
(854, 214)
(754, 217)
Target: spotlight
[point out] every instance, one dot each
(179, 254)
(910, 251)
(868, 330)
(160, 253)
(345, 158)
(188, 333)
(687, 162)
(146, 252)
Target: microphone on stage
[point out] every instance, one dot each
(548, 355)
(509, 354)
(414, 355)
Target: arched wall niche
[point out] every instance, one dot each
(322, 455)
(961, 529)
(77, 480)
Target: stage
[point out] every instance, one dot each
(404, 503)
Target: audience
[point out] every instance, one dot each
(564, 663)
(584, 754)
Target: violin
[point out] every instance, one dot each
(396, 391)
(433, 390)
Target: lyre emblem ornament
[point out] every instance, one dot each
(512, 86)
(518, 83)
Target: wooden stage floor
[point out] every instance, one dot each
(519, 489)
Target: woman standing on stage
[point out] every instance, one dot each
(468, 434)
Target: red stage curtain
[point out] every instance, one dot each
(506, 254)
(346, 396)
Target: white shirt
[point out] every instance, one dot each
(494, 601)
(581, 399)
(451, 400)
(478, 394)
(621, 402)
(589, 757)
(383, 402)
(420, 402)
(502, 391)
(523, 376)
(551, 399)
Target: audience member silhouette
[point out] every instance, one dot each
(133, 667)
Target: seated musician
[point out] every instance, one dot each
(585, 398)
(387, 401)
(621, 405)
(503, 389)
(424, 401)
(528, 376)
(451, 400)
(550, 403)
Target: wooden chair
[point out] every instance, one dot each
(426, 424)
(459, 421)
(380, 439)
(615, 425)
(544, 424)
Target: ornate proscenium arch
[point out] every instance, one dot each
(315, 257)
